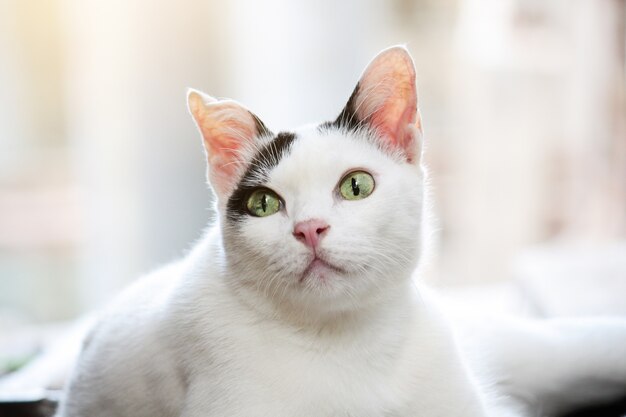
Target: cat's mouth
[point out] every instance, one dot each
(320, 267)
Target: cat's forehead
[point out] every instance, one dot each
(328, 148)
(316, 156)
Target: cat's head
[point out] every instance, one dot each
(325, 217)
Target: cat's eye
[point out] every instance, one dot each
(356, 185)
(263, 202)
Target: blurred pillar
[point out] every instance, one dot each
(541, 99)
(38, 214)
(31, 83)
(137, 153)
(595, 125)
(10, 133)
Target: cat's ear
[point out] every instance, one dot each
(229, 131)
(385, 100)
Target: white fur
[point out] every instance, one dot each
(231, 331)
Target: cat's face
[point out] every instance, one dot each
(327, 216)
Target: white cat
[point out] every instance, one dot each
(300, 301)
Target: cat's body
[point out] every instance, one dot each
(301, 300)
(192, 346)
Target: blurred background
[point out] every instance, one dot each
(102, 173)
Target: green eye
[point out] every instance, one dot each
(263, 202)
(356, 185)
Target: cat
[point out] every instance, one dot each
(301, 301)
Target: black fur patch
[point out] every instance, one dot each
(267, 158)
(347, 119)
(261, 129)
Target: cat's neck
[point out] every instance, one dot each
(394, 308)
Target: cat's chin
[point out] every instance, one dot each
(325, 287)
(320, 270)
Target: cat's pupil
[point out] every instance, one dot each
(264, 203)
(355, 187)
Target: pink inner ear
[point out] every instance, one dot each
(227, 129)
(396, 120)
(225, 141)
(224, 158)
(388, 99)
(393, 116)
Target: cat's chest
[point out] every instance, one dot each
(280, 374)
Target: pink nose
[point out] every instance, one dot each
(310, 232)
